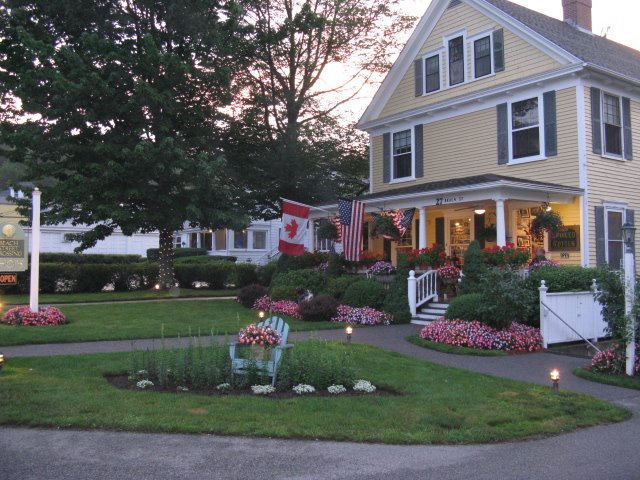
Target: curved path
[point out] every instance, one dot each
(609, 451)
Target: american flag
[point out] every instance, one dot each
(402, 219)
(351, 213)
(336, 221)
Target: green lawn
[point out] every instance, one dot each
(61, 298)
(444, 348)
(616, 380)
(125, 321)
(440, 405)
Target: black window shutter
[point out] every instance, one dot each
(629, 216)
(503, 134)
(440, 231)
(419, 154)
(596, 130)
(601, 242)
(626, 128)
(550, 124)
(418, 66)
(498, 50)
(386, 158)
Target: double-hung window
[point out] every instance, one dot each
(525, 128)
(613, 235)
(432, 73)
(456, 60)
(482, 57)
(259, 240)
(611, 125)
(402, 156)
(240, 239)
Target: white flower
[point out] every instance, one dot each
(262, 389)
(336, 389)
(144, 384)
(364, 386)
(223, 386)
(182, 389)
(302, 388)
(142, 373)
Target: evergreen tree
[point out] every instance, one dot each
(473, 270)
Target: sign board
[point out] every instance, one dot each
(566, 240)
(8, 279)
(13, 248)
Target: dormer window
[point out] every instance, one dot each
(432, 73)
(456, 60)
(482, 57)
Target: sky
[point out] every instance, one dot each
(618, 18)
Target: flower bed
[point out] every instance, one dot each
(516, 338)
(362, 316)
(506, 255)
(612, 361)
(280, 307)
(46, 315)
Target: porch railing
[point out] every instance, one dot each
(421, 289)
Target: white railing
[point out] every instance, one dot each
(267, 257)
(421, 289)
(570, 316)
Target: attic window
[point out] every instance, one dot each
(456, 60)
(482, 56)
(432, 73)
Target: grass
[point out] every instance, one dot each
(62, 298)
(440, 405)
(126, 321)
(616, 380)
(444, 348)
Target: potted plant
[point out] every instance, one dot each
(545, 221)
(260, 339)
(327, 230)
(383, 226)
(382, 271)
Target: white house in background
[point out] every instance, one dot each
(55, 238)
(256, 244)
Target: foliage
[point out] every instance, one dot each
(384, 226)
(612, 361)
(46, 315)
(433, 256)
(87, 258)
(446, 348)
(118, 113)
(204, 258)
(536, 264)
(319, 364)
(153, 254)
(465, 307)
(545, 221)
(318, 309)
(610, 295)
(473, 270)
(362, 316)
(368, 258)
(327, 230)
(449, 272)
(396, 301)
(382, 268)
(216, 274)
(337, 286)
(335, 266)
(506, 255)
(265, 273)
(249, 294)
(244, 274)
(277, 307)
(284, 292)
(311, 280)
(516, 338)
(365, 293)
(263, 336)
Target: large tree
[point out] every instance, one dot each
(312, 57)
(119, 105)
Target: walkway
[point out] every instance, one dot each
(609, 451)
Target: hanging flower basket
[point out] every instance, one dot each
(545, 221)
(490, 233)
(383, 226)
(327, 230)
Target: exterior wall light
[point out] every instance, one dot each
(479, 211)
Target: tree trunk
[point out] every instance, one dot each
(165, 276)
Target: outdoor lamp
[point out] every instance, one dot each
(479, 211)
(260, 314)
(555, 378)
(628, 235)
(156, 286)
(1, 361)
(349, 331)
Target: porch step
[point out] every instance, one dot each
(429, 313)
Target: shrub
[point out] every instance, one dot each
(516, 338)
(205, 259)
(365, 293)
(46, 315)
(249, 294)
(216, 274)
(265, 273)
(396, 300)
(473, 269)
(82, 258)
(318, 309)
(93, 277)
(362, 316)
(611, 297)
(613, 361)
(338, 285)
(245, 274)
(465, 307)
(153, 254)
(277, 307)
(335, 265)
(311, 280)
(284, 292)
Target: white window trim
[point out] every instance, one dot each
(424, 69)
(445, 41)
(411, 129)
(233, 241)
(612, 207)
(251, 238)
(533, 158)
(472, 40)
(605, 154)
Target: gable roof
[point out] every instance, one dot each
(591, 49)
(567, 44)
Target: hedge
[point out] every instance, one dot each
(153, 254)
(82, 258)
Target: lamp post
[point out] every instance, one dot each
(628, 235)
(554, 375)
(349, 332)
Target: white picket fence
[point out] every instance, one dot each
(580, 314)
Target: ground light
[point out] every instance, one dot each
(260, 314)
(554, 375)
(1, 362)
(156, 286)
(348, 331)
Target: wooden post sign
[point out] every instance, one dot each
(566, 240)
(13, 249)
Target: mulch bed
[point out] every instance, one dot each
(122, 381)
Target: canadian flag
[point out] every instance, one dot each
(294, 227)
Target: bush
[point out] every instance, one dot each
(265, 273)
(216, 274)
(245, 274)
(82, 258)
(93, 277)
(611, 297)
(318, 309)
(46, 315)
(284, 292)
(613, 361)
(365, 293)
(311, 280)
(362, 316)
(153, 254)
(249, 294)
(473, 269)
(205, 259)
(465, 307)
(396, 301)
(336, 286)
